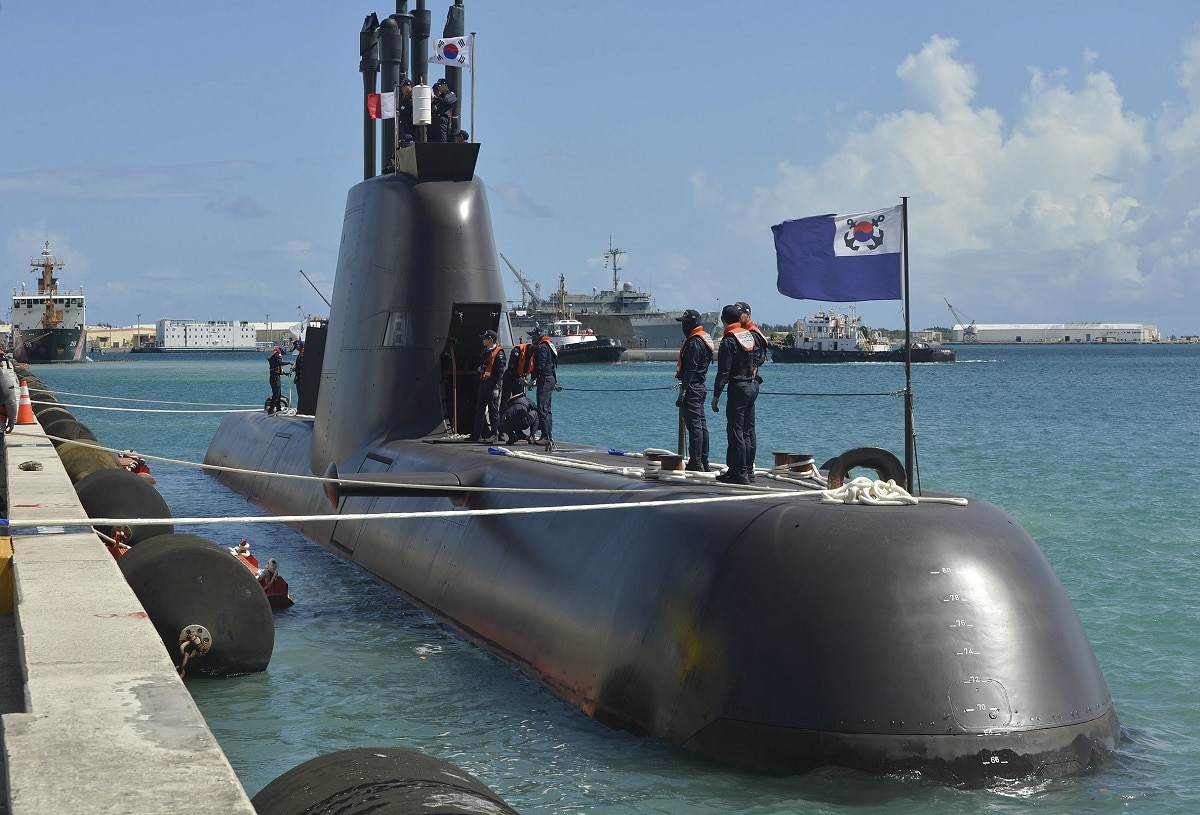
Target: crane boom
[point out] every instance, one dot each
(970, 333)
(530, 292)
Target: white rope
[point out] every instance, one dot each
(144, 410)
(387, 516)
(144, 401)
(863, 490)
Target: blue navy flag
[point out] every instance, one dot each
(841, 258)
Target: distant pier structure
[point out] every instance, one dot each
(1053, 333)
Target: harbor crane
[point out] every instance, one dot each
(970, 334)
(532, 297)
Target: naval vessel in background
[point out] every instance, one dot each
(623, 312)
(49, 325)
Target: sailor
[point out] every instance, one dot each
(695, 355)
(10, 391)
(516, 374)
(491, 372)
(444, 101)
(520, 419)
(404, 111)
(747, 322)
(275, 361)
(298, 362)
(740, 354)
(545, 374)
(462, 136)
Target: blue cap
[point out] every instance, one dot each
(488, 335)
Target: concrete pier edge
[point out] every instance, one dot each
(107, 725)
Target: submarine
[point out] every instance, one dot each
(770, 627)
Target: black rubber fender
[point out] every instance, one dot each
(378, 780)
(184, 581)
(118, 493)
(71, 429)
(81, 460)
(883, 462)
(49, 414)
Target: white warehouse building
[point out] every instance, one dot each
(213, 335)
(1040, 333)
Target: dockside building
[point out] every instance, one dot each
(1045, 333)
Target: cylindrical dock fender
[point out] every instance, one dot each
(81, 460)
(50, 414)
(195, 592)
(884, 463)
(381, 781)
(118, 493)
(71, 429)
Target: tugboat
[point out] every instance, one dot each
(50, 326)
(832, 337)
(573, 341)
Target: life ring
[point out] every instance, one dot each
(886, 466)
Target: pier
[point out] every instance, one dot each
(95, 716)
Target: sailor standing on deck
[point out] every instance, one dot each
(491, 372)
(738, 358)
(545, 373)
(747, 322)
(275, 362)
(695, 355)
(516, 374)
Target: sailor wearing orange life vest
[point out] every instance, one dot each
(491, 371)
(545, 373)
(747, 322)
(516, 375)
(695, 355)
(739, 356)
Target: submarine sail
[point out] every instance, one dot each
(768, 626)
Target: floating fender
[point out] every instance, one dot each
(378, 780)
(886, 465)
(118, 493)
(49, 414)
(71, 429)
(188, 583)
(81, 460)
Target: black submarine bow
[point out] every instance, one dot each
(778, 633)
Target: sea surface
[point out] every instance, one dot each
(1094, 449)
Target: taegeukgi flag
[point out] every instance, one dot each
(381, 105)
(454, 51)
(841, 258)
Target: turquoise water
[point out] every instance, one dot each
(1093, 449)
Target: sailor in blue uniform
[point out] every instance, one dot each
(747, 322)
(491, 372)
(545, 373)
(695, 355)
(738, 358)
(520, 416)
(444, 101)
(275, 362)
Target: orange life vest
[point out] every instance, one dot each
(698, 331)
(487, 371)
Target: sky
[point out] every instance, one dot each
(187, 160)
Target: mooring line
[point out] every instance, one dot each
(146, 401)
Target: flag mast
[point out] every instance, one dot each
(910, 441)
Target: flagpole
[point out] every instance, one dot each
(396, 127)
(909, 432)
(474, 65)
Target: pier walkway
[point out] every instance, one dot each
(95, 717)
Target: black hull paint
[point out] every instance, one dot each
(781, 353)
(780, 634)
(599, 350)
(34, 346)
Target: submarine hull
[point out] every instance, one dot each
(775, 632)
(780, 634)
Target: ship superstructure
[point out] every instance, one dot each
(49, 325)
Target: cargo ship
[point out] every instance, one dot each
(49, 325)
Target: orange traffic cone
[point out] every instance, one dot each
(25, 407)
